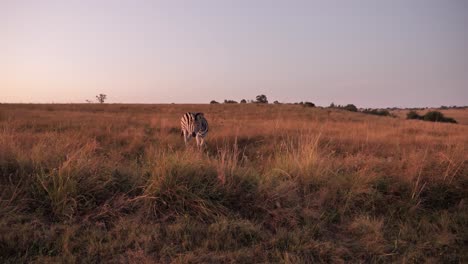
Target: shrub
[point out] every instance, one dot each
(214, 102)
(308, 104)
(230, 101)
(413, 115)
(276, 102)
(243, 101)
(379, 112)
(432, 116)
(450, 120)
(350, 107)
(436, 116)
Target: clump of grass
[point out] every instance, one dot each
(299, 158)
(238, 183)
(57, 189)
(370, 235)
(190, 184)
(78, 185)
(181, 185)
(226, 234)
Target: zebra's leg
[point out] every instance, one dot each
(202, 142)
(186, 138)
(198, 141)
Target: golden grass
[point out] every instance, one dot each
(276, 183)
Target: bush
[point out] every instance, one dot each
(230, 101)
(450, 120)
(213, 102)
(308, 104)
(276, 102)
(350, 107)
(243, 101)
(413, 115)
(436, 116)
(432, 116)
(379, 112)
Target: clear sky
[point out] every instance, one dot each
(371, 53)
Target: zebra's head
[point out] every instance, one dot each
(198, 116)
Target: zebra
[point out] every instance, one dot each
(194, 125)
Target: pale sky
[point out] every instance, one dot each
(370, 53)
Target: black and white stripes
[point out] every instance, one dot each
(194, 125)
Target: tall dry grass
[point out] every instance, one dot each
(276, 183)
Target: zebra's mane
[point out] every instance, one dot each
(197, 114)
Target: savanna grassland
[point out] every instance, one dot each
(276, 184)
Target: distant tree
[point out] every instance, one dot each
(243, 101)
(332, 105)
(230, 101)
(213, 102)
(261, 99)
(276, 102)
(101, 98)
(351, 107)
(309, 104)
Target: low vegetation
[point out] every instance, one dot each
(432, 116)
(115, 183)
(309, 104)
(348, 107)
(378, 112)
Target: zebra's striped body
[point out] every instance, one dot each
(194, 125)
